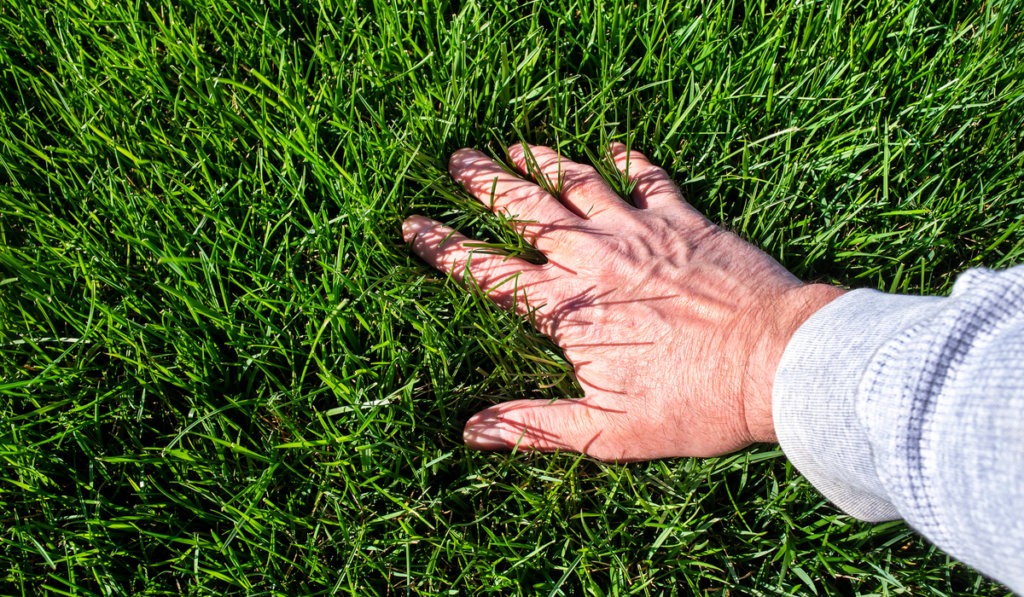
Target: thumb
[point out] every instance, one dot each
(545, 425)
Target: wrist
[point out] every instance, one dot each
(771, 334)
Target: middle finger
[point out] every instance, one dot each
(536, 215)
(580, 187)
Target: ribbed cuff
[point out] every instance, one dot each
(815, 392)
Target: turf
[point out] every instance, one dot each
(222, 372)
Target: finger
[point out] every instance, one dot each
(546, 426)
(579, 186)
(654, 188)
(537, 216)
(506, 280)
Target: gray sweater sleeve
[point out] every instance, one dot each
(913, 407)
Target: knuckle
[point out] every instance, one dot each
(652, 178)
(586, 184)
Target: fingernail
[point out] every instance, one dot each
(411, 227)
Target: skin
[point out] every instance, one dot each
(674, 326)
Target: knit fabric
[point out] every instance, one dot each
(913, 407)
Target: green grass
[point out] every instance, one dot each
(221, 370)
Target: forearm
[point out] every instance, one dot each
(911, 407)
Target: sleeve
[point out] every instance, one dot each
(913, 407)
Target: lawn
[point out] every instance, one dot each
(221, 371)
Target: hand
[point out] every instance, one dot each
(674, 327)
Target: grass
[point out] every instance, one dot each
(222, 372)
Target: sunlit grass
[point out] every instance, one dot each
(221, 370)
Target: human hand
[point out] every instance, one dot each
(674, 327)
